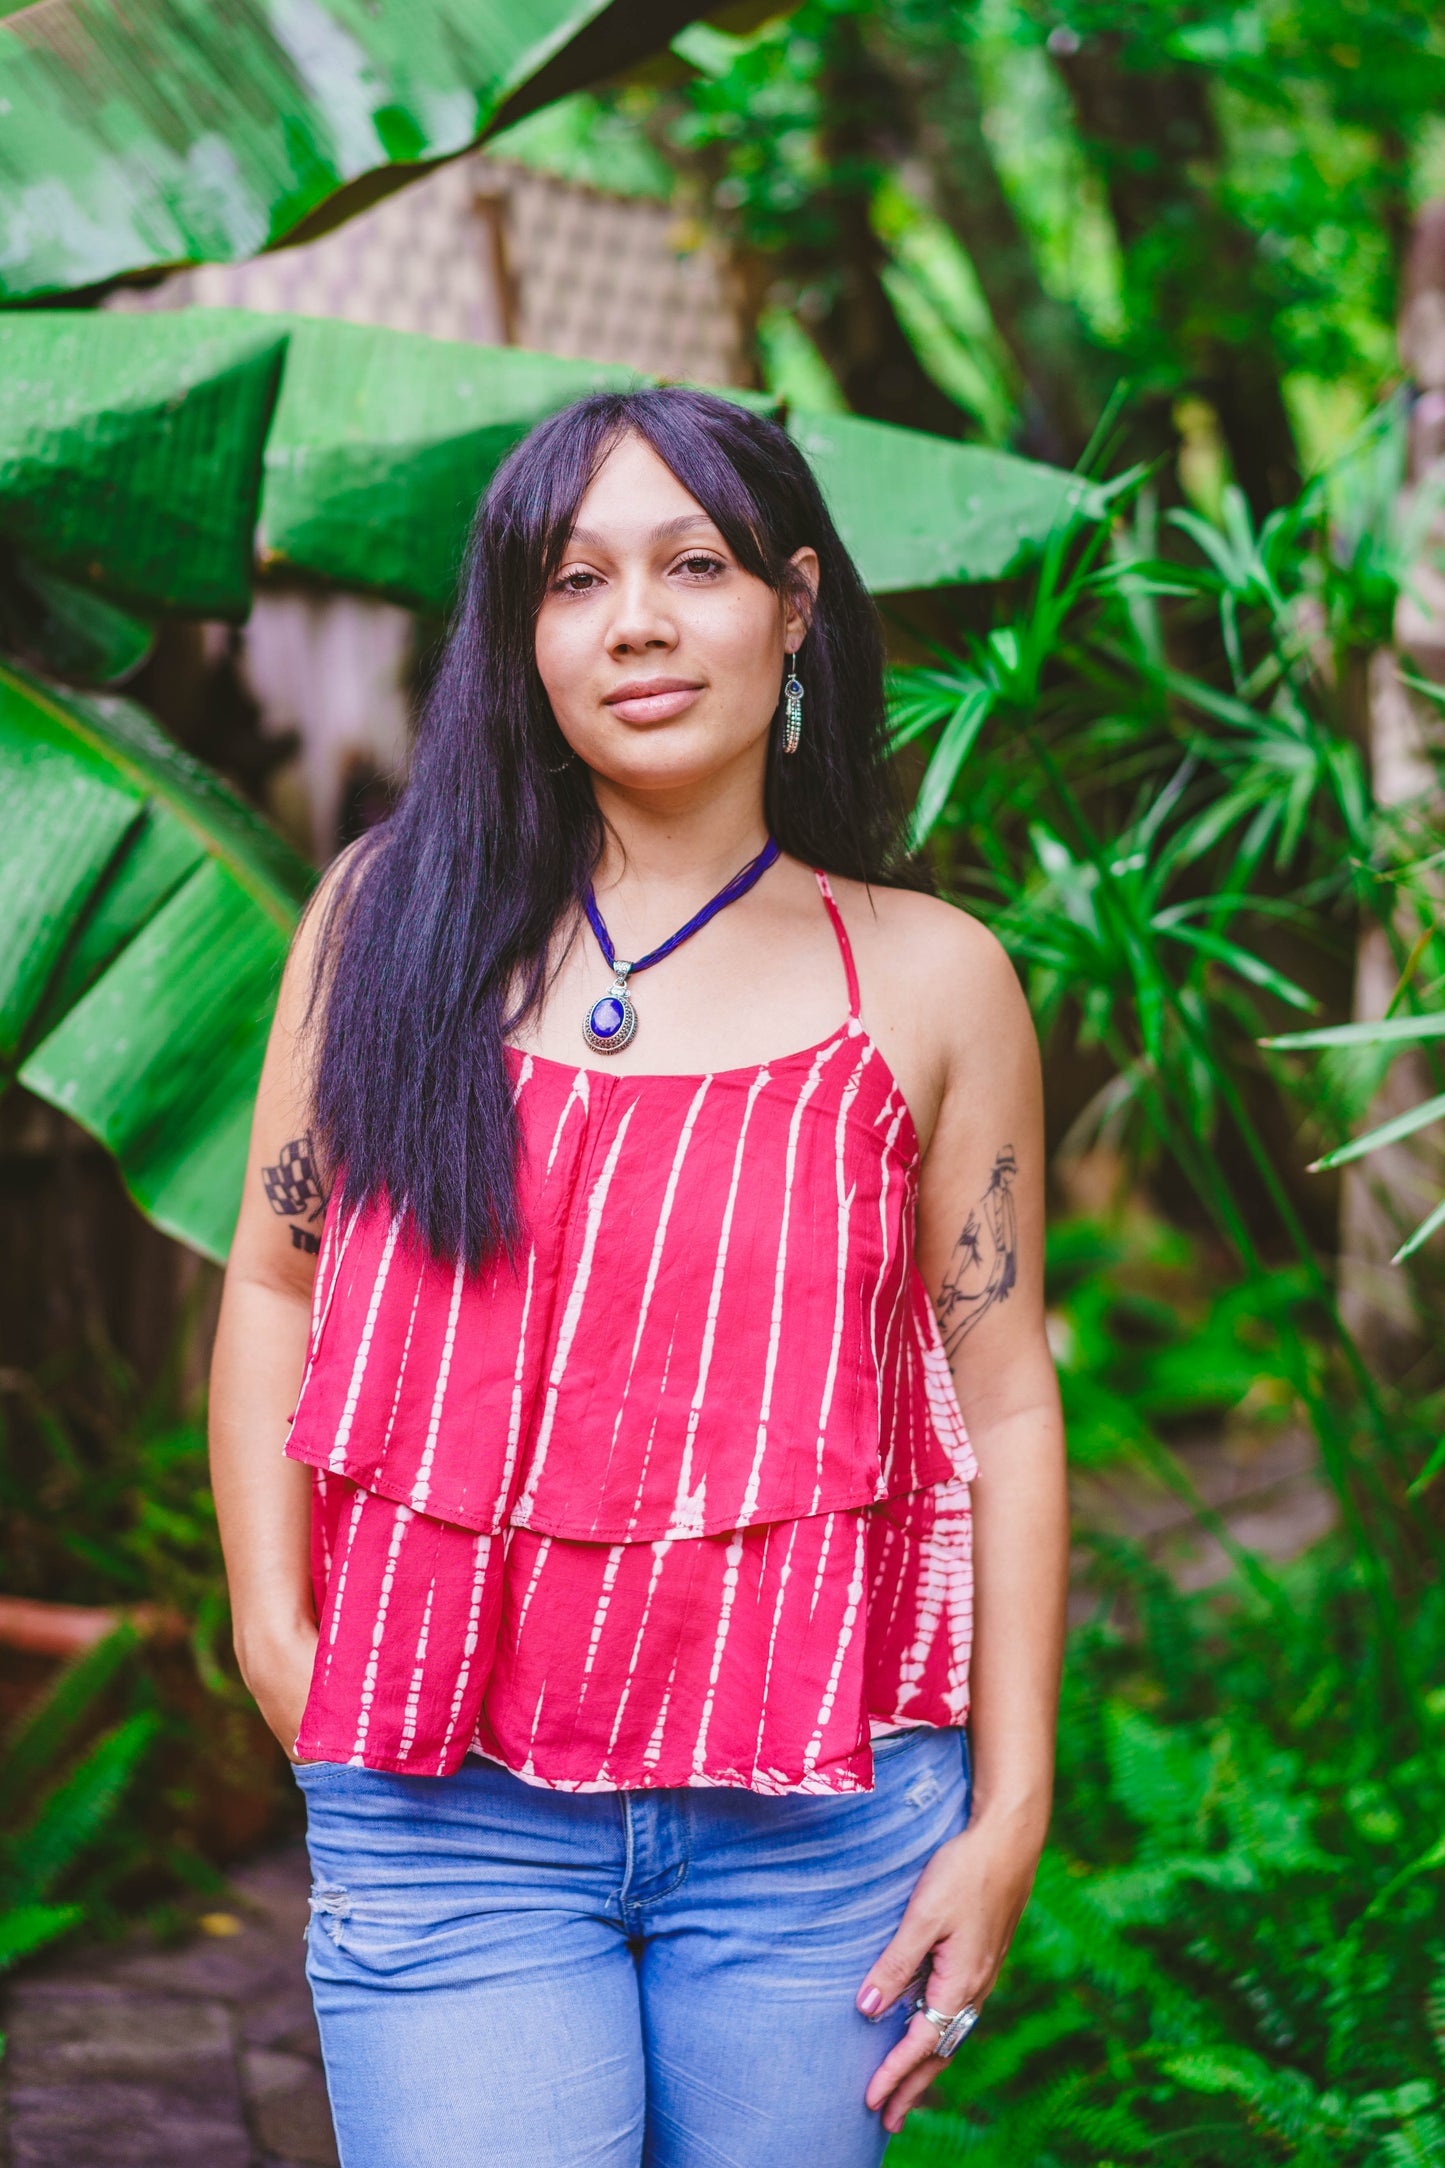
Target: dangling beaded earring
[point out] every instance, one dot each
(792, 706)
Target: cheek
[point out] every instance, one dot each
(741, 646)
(565, 656)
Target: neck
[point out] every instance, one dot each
(690, 839)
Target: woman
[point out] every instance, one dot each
(614, 1600)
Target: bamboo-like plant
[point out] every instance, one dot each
(1145, 773)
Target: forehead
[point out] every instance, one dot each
(633, 493)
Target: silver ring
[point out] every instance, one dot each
(952, 2030)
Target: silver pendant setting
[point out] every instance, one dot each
(611, 1022)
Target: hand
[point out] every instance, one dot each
(279, 1677)
(963, 1912)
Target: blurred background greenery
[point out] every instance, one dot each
(1174, 733)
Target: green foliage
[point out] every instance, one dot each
(129, 873)
(1150, 1345)
(105, 1501)
(1147, 776)
(1208, 202)
(1222, 1956)
(57, 1807)
(147, 458)
(189, 133)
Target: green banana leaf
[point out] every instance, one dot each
(182, 131)
(131, 449)
(67, 629)
(146, 456)
(147, 916)
(921, 511)
(383, 441)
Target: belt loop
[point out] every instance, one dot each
(628, 1848)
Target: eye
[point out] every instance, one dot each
(574, 583)
(698, 565)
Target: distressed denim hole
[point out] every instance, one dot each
(331, 1904)
(924, 1789)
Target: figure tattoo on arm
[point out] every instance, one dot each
(984, 1264)
(293, 1189)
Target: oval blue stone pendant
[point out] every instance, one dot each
(611, 1022)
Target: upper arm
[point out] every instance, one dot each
(981, 1193)
(283, 1200)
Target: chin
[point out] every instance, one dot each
(662, 759)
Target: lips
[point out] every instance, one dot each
(652, 700)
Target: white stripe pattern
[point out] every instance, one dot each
(690, 1469)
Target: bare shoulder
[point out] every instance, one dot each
(935, 954)
(940, 997)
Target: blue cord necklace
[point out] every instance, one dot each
(612, 1021)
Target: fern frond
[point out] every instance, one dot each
(24, 1929)
(36, 1744)
(75, 1813)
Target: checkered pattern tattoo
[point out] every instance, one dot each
(291, 1185)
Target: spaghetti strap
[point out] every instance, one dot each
(844, 944)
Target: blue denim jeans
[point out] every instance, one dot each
(508, 1975)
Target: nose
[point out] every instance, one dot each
(641, 622)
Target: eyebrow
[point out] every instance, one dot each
(689, 523)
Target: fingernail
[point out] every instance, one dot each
(869, 2000)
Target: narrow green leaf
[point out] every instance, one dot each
(1240, 960)
(42, 1735)
(960, 735)
(1436, 1461)
(1374, 1140)
(1421, 1236)
(1391, 1031)
(72, 1816)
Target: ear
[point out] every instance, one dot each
(798, 604)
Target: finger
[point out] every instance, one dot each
(915, 2048)
(952, 1984)
(917, 1932)
(907, 2096)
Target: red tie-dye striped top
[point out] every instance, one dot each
(678, 1497)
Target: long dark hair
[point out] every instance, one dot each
(442, 913)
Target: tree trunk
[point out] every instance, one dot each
(853, 320)
(926, 50)
(829, 266)
(1190, 266)
(1387, 1194)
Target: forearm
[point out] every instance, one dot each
(262, 1499)
(970, 1897)
(1021, 1546)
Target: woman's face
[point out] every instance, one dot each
(661, 657)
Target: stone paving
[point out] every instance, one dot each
(206, 2056)
(201, 2056)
